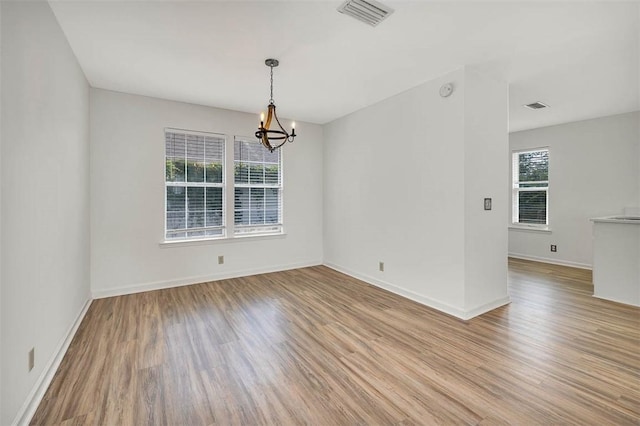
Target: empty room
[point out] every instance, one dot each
(319, 212)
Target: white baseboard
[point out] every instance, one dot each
(158, 285)
(482, 309)
(552, 261)
(616, 300)
(34, 398)
(423, 300)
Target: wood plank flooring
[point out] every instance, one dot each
(313, 346)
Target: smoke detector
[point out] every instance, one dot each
(536, 105)
(368, 11)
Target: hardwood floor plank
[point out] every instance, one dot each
(149, 406)
(314, 346)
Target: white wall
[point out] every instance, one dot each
(593, 171)
(127, 198)
(395, 191)
(45, 198)
(486, 166)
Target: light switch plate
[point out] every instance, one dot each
(487, 203)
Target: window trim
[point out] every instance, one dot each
(514, 197)
(219, 240)
(534, 229)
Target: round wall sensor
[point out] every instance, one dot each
(446, 90)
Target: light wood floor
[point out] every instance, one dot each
(313, 346)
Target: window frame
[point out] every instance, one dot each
(228, 195)
(515, 190)
(186, 184)
(280, 187)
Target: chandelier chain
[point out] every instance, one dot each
(271, 98)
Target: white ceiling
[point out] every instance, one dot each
(582, 59)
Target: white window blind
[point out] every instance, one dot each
(257, 188)
(530, 189)
(194, 184)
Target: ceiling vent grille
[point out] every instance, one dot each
(368, 11)
(536, 105)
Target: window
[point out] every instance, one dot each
(257, 188)
(530, 190)
(199, 194)
(194, 184)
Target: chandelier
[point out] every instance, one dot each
(273, 139)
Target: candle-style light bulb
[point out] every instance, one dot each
(262, 117)
(293, 124)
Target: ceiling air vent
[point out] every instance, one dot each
(536, 105)
(368, 11)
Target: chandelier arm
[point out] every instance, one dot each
(273, 114)
(278, 121)
(280, 125)
(271, 111)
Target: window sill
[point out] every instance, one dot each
(221, 240)
(525, 228)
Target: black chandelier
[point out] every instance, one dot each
(273, 139)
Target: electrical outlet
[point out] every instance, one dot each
(220, 260)
(32, 358)
(381, 266)
(554, 248)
